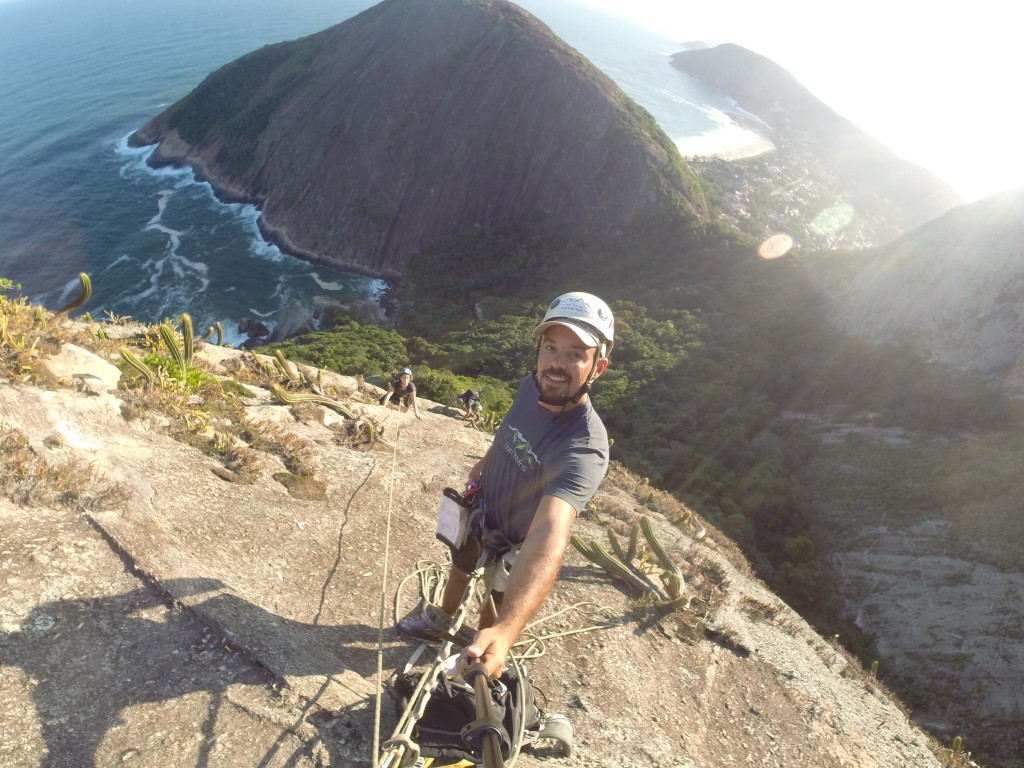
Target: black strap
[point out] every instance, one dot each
(473, 735)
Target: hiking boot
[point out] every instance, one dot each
(434, 626)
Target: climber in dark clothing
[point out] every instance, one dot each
(402, 389)
(472, 410)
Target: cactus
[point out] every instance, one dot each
(616, 547)
(623, 569)
(140, 367)
(673, 584)
(220, 332)
(260, 365)
(284, 366)
(958, 745)
(167, 334)
(208, 334)
(303, 397)
(874, 668)
(656, 548)
(597, 554)
(628, 561)
(634, 542)
(189, 347)
(82, 297)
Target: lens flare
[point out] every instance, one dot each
(775, 246)
(833, 219)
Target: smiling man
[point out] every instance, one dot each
(548, 457)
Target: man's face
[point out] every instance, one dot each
(563, 365)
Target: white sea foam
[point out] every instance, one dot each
(674, 97)
(258, 246)
(234, 337)
(173, 235)
(326, 285)
(161, 206)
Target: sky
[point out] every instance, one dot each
(937, 83)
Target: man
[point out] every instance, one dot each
(548, 457)
(402, 388)
(472, 410)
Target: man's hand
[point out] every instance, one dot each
(490, 647)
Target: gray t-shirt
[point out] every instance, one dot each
(538, 453)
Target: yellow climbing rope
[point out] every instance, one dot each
(383, 597)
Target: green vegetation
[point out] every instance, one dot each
(350, 348)
(238, 100)
(642, 120)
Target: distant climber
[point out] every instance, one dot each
(402, 393)
(472, 410)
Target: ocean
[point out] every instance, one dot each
(78, 77)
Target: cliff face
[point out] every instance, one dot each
(870, 174)
(950, 289)
(418, 119)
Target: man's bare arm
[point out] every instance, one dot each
(478, 468)
(533, 575)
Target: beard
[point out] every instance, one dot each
(554, 394)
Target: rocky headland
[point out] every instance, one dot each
(418, 119)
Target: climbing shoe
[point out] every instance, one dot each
(434, 626)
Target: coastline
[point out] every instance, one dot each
(729, 143)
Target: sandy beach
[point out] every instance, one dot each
(730, 142)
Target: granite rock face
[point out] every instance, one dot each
(184, 617)
(419, 119)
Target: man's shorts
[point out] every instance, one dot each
(466, 556)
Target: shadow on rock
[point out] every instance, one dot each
(89, 660)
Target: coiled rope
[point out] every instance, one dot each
(432, 576)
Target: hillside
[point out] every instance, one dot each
(951, 289)
(194, 574)
(881, 186)
(418, 119)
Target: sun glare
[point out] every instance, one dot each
(775, 246)
(834, 218)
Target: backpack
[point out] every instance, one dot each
(452, 709)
